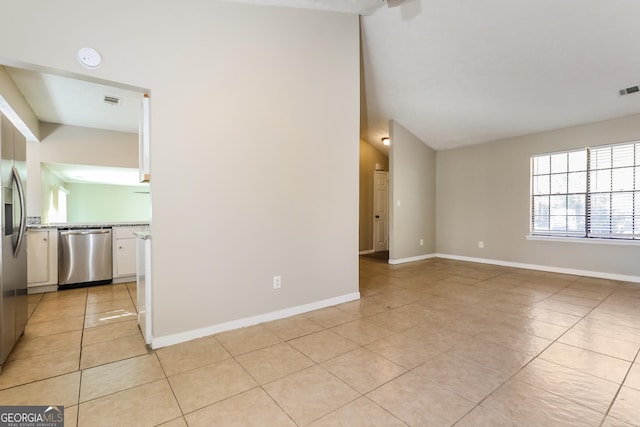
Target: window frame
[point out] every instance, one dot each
(586, 231)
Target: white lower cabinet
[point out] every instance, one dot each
(124, 252)
(42, 257)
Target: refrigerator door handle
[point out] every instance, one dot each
(23, 211)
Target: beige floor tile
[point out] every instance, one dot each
(113, 377)
(71, 416)
(405, 349)
(626, 406)
(116, 304)
(251, 408)
(362, 332)
(330, 317)
(417, 401)
(310, 394)
(112, 351)
(394, 320)
(30, 309)
(620, 332)
(67, 293)
(145, 405)
(34, 298)
(43, 345)
(110, 332)
(270, 363)
(633, 377)
(323, 345)
(56, 304)
(363, 370)
(23, 371)
(109, 317)
(564, 307)
(515, 340)
(592, 392)
(359, 413)
(292, 327)
(589, 362)
(203, 386)
(601, 344)
(535, 327)
(96, 297)
(555, 317)
(42, 315)
(363, 307)
(247, 339)
(34, 330)
(526, 405)
(492, 356)
(178, 422)
(106, 289)
(483, 417)
(462, 376)
(614, 422)
(190, 355)
(61, 390)
(583, 300)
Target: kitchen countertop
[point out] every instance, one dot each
(89, 225)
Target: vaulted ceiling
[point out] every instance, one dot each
(458, 72)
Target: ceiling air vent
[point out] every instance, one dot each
(114, 101)
(629, 90)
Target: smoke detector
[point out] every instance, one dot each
(89, 58)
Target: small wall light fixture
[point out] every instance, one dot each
(386, 141)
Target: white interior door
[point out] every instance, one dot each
(380, 211)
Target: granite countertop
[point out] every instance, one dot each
(89, 225)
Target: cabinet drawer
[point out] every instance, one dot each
(125, 232)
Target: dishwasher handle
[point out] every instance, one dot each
(84, 232)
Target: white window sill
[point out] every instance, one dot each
(618, 242)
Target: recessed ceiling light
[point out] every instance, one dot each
(89, 58)
(386, 141)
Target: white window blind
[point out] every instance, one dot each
(591, 193)
(614, 196)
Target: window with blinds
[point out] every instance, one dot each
(591, 193)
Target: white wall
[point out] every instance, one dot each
(254, 133)
(87, 203)
(75, 145)
(412, 166)
(483, 194)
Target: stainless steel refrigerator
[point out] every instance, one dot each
(13, 270)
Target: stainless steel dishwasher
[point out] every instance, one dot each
(85, 257)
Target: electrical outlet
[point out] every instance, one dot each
(277, 282)
(481, 244)
(421, 242)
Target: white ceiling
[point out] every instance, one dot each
(465, 72)
(59, 99)
(453, 72)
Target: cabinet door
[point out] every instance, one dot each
(126, 257)
(37, 256)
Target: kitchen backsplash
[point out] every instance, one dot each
(34, 220)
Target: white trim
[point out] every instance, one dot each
(163, 341)
(368, 251)
(577, 272)
(411, 259)
(590, 240)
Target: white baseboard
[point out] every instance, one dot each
(577, 272)
(411, 259)
(368, 251)
(163, 341)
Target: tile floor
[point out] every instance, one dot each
(431, 343)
